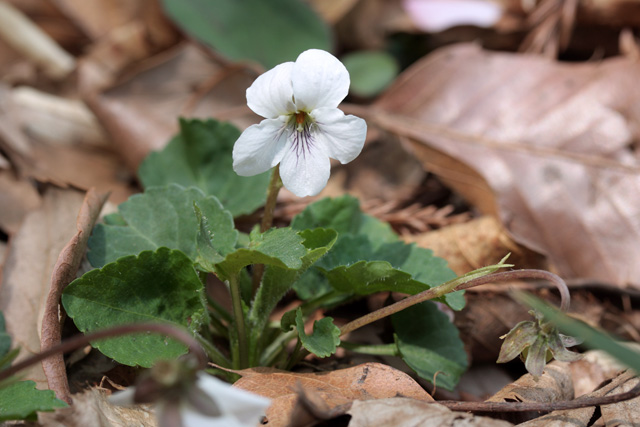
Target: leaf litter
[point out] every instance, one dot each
(550, 147)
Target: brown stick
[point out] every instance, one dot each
(582, 402)
(64, 272)
(82, 340)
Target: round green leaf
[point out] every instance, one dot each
(371, 71)
(200, 156)
(269, 32)
(428, 342)
(162, 217)
(160, 286)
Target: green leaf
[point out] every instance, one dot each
(160, 286)
(430, 343)
(371, 71)
(277, 281)
(5, 338)
(324, 339)
(593, 338)
(21, 401)
(269, 32)
(343, 214)
(281, 247)
(395, 267)
(162, 217)
(200, 156)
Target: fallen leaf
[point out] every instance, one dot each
(92, 408)
(621, 413)
(403, 411)
(64, 272)
(81, 165)
(362, 382)
(17, 198)
(551, 141)
(554, 385)
(474, 244)
(140, 113)
(27, 271)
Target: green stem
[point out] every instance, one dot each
(293, 360)
(469, 280)
(218, 326)
(376, 350)
(271, 353)
(238, 314)
(267, 219)
(214, 354)
(218, 309)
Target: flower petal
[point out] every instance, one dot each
(271, 94)
(260, 147)
(343, 136)
(305, 168)
(319, 80)
(245, 407)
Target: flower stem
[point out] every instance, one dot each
(267, 220)
(459, 284)
(82, 340)
(376, 350)
(238, 314)
(272, 196)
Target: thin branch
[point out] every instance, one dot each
(446, 288)
(582, 402)
(82, 340)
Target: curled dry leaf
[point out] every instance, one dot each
(550, 141)
(402, 411)
(362, 382)
(140, 112)
(27, 270)
(64, 272)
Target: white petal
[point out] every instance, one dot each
(245, 407)
(260, 147)
(305, 168)
(319, 80)
(123, 398)
(343, 136)
(271, 94)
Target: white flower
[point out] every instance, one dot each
(303, 127)
(209, 402)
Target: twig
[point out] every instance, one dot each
(582, 402)
(445, 288)
(82, 340)
(28, 39)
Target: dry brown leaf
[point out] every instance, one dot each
(64, 272)
(616, 414)
(17, 198)
(27, 270)
(92, 408)
(362, 382)
(99, 17)
(402, 411)
(82, 165)
(554, 385)
(140, 113)
(551, 140)
(474, 244)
